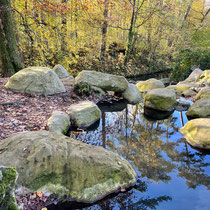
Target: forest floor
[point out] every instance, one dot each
(25, 112)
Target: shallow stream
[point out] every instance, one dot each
(171, 175)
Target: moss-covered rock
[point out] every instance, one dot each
(204, 77)
(149, 84)
(194, 76)
(197, 133)
(184, 86)
(204, 93)
(8, 178)
(84, 114)
(107, 82)
(132, 94)
(36, 80)
(57, 164)
(61, 71)
(59, 122)
(200, 109)
(160, 99)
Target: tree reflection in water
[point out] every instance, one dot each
(154, 148)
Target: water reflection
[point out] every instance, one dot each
(159, 154)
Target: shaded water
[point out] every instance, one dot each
(171, 175)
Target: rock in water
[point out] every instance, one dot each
(84, 114)
(57, 164)
(59, 122)
(197, 133)
(107, 82)
(204, 93)
(61, 71)
(149, 84)
(159, 103)
(36, 80)
(199, 109)
(8, 178)
(160, 99)
(132, 94)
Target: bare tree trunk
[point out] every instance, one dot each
(131, 34)
(104, 32)
(11, 61)
(187, 12)
(63, 30)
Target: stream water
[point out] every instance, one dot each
(171, 175)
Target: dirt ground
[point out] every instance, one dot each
(25, 112)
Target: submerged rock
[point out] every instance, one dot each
(197, 133)
(57, 164)
(204, 93)
(107, 82)
(149, 84)
(36, 80)
(199, 109)
(84, 114)
(132, 94)
(8, 178)
(61, 71)
(59, 122)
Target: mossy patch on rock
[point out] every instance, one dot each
(8, 178)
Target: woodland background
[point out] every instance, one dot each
(127, 37)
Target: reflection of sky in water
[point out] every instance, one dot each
(165, 165)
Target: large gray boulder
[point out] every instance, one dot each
(8, 178)
(194, 76)
(59, 122)
(197, 133)
(200, 109)
(36, 80)
(53, 163)
(107, 82)
(84, 114)
(204, 93)
(162, 99)
(184, 86)
(149, 85)
(61, 71)
(132, 94)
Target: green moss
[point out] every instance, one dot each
(43, 180)
(82, 88)
(7, 183)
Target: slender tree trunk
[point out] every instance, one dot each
(11, 61)
(63, 30)
(131, 34)
(187, 12)
(104, 32)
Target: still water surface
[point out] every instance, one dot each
(171, 175)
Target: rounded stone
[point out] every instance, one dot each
(197, 133)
